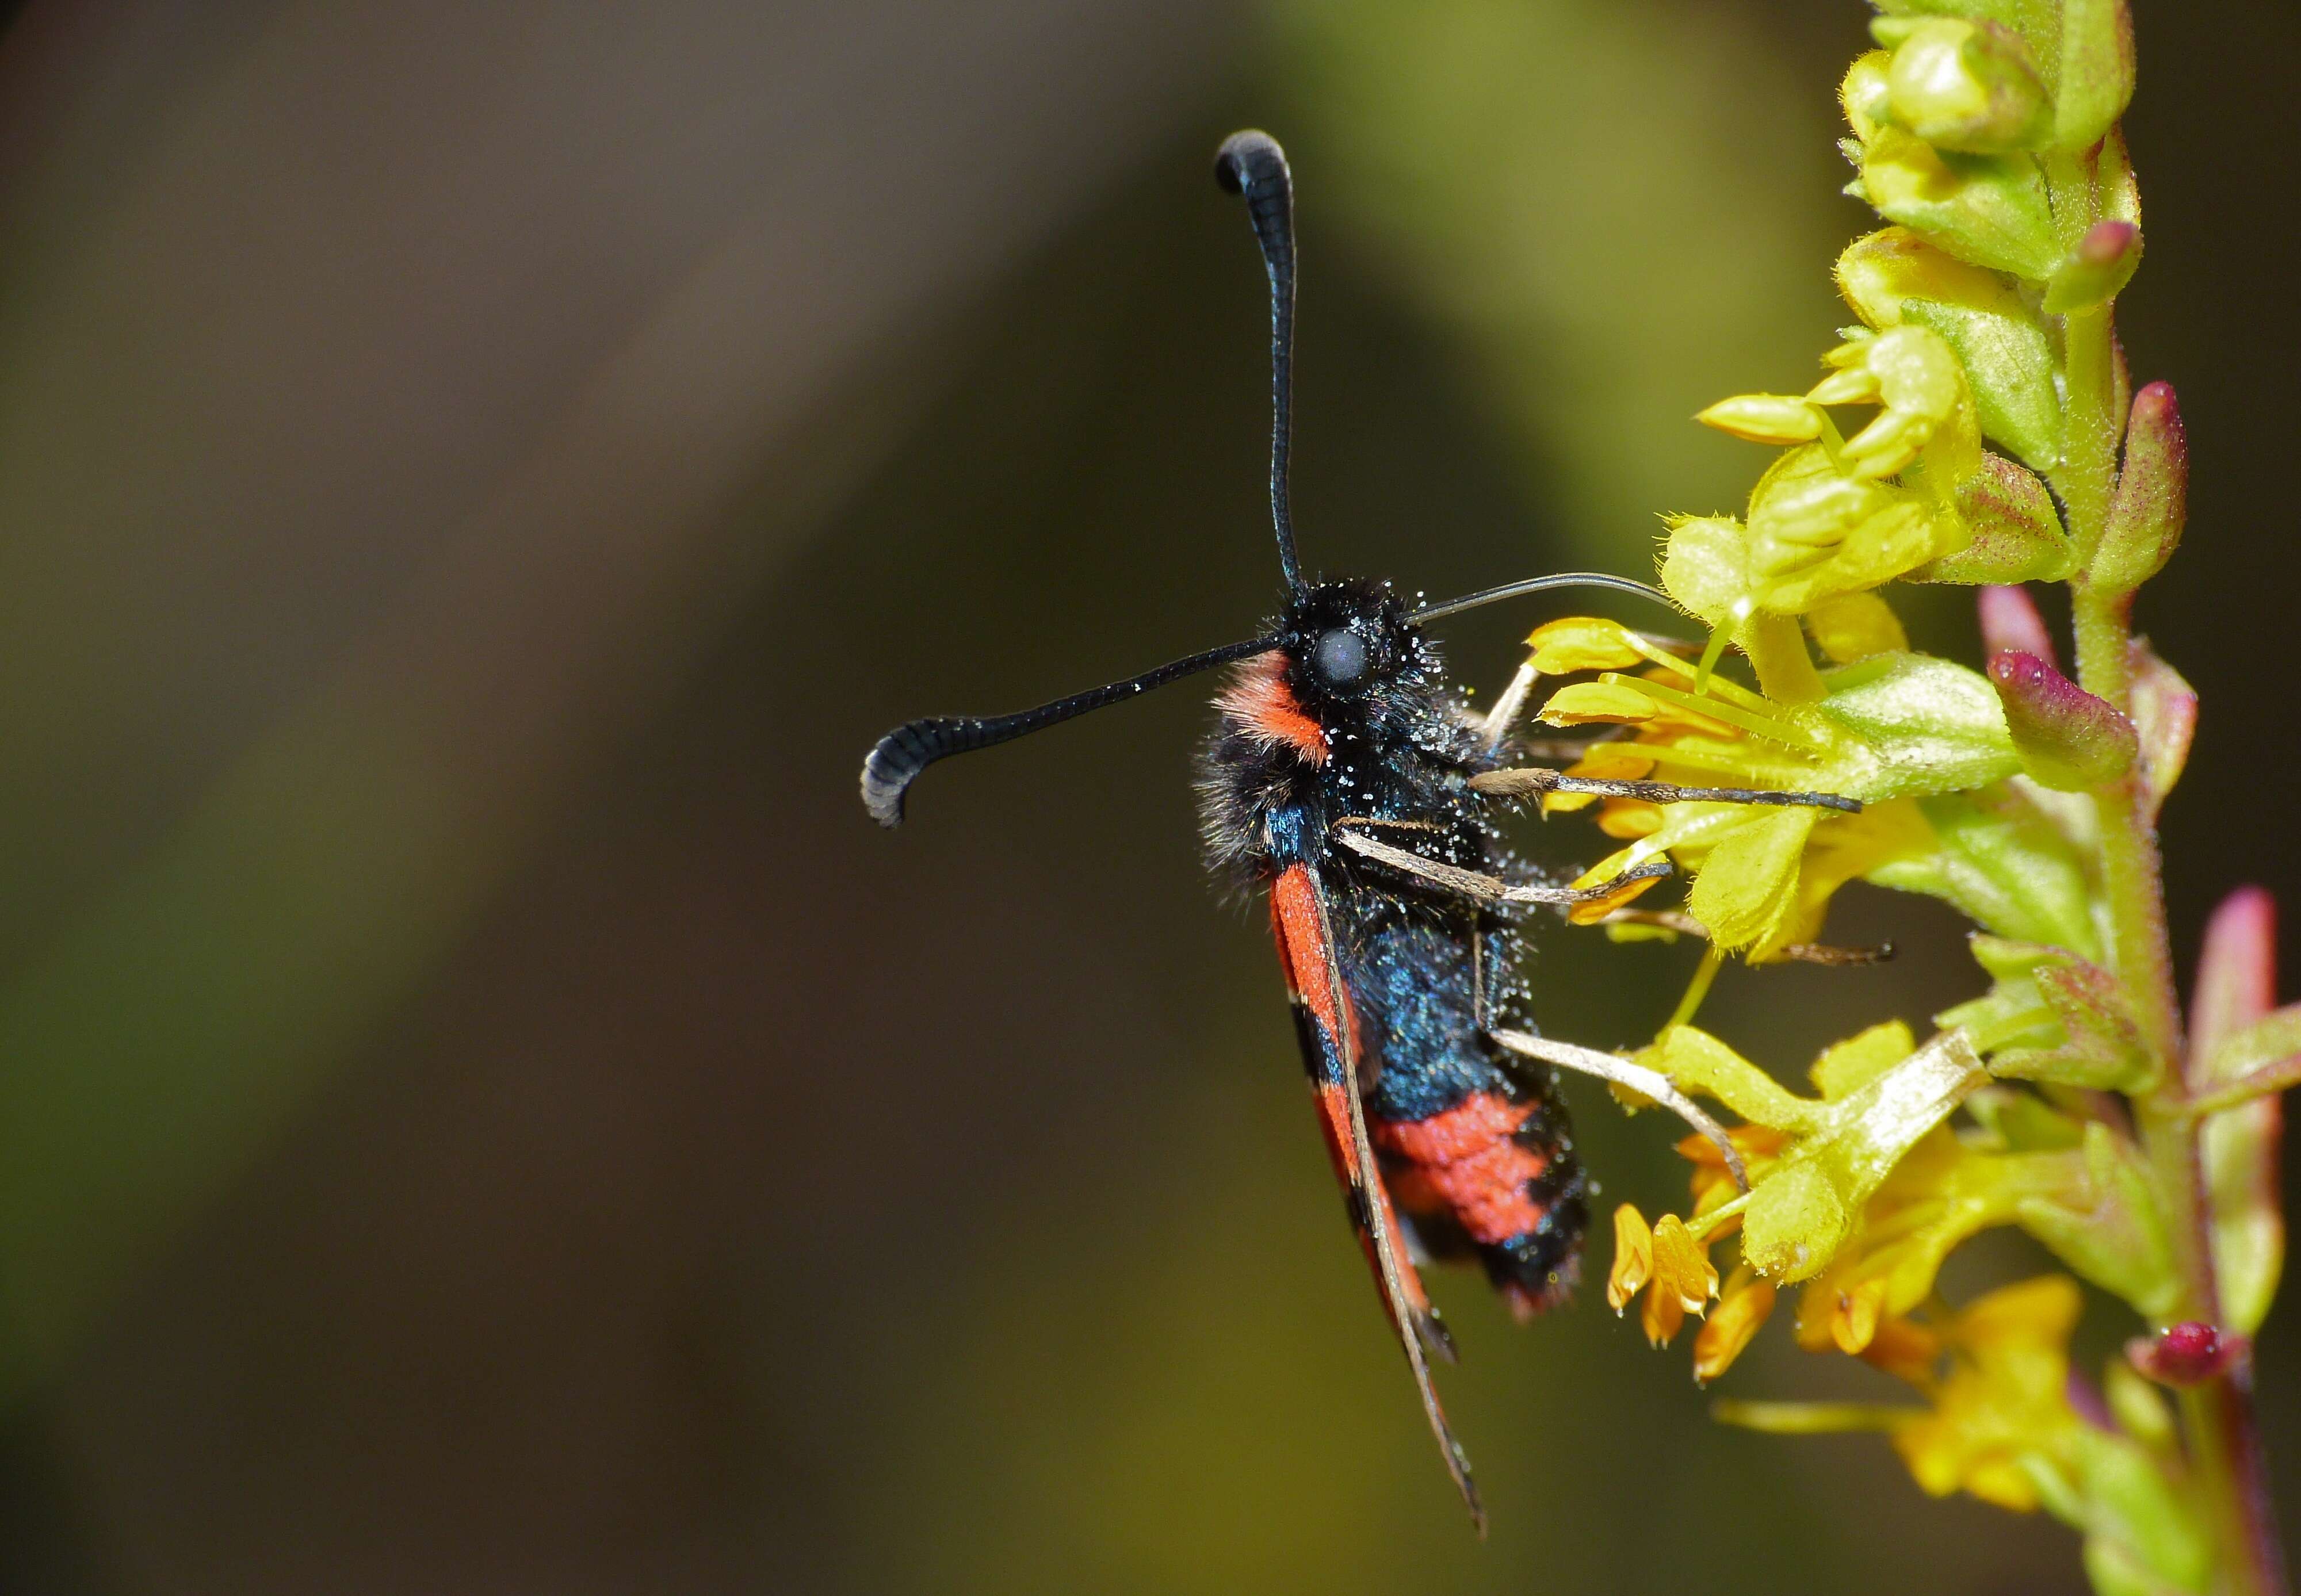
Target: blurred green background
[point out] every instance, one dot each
(480, 1109)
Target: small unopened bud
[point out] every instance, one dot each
(2185, 1354)
(1964, 85)
(2152, 502)
(1865, 95)
(2067, 739)
(2011, 624)
(1782, 419)
(2103, 263)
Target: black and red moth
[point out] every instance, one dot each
(1349, 783)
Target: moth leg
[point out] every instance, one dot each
(1804, 953)
(1373, 1199)
(1638, 1078)
(1536, 780)
(1484, 889)
(1507, 708)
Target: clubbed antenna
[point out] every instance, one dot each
(1253, 165)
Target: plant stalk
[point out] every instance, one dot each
(2227, 1462)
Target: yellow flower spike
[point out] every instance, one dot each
(1765, 418)
(1743, 1307)
(1584, 643)
(1634, 1259)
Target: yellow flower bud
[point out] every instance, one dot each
(1583, 643)
(1633, 1257)
(1683, 1281)
(1866, 95)
(1781, 419)
(1877, 273)
(1964, 85)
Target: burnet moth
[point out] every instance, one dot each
(1347, 782)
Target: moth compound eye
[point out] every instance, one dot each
(1342, 657)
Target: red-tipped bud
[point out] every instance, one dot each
(2152, 502)
(2067, 737)
(2185, 1354)
(2010, 622)
(2103, 263)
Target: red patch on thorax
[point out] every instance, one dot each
(1260, 701)
(1465, 1162)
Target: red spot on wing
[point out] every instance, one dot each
(1465, 1162)
(1302, 946)
(1260, 702)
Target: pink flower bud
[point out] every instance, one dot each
(2102, 264)
(2009, 621)
(2152, 502)
(2067, 737)
(2187, 1354)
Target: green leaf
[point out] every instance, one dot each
(2004, 865)
(2117, 1238)
(1929, 725)
(2262, 1043)
(2009, 363)
(2165, 714)
(1990, 210)
(2102, 1046)
(2017, 533)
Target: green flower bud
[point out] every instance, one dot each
(2151, 504)
(2067, 739)
(1988, 210)
(2103, 263)
(2017, 533)
(2096, 71)
(1964, 85)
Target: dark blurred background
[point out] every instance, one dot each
(480, 1109)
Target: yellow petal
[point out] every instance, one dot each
(1582, 643)
(1746, 1305)
(1614, 762)
(1845, 1067)
(1854, 1325)
(1876, 273)
(1633, 1257)
(1682, 1269)
(1702, 567)
(1604, 702)
(1764, 418)
(1748, 884)
(1854, 626)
